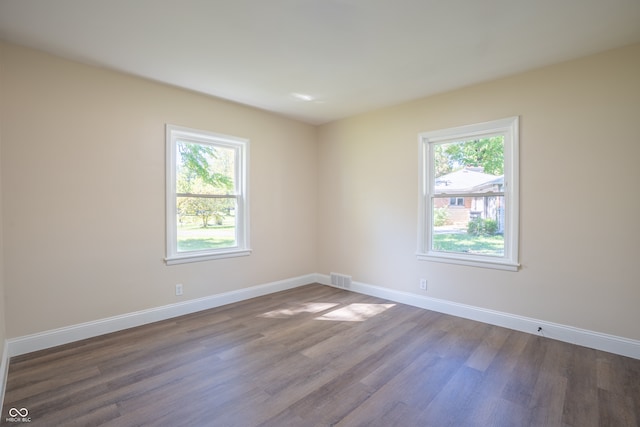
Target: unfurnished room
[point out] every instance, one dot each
(320, 213)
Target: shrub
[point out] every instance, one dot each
(482, 227)
(440, 217)
(475, 227)
(490, 227)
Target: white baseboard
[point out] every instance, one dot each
(65, 335)
(29, 343)
(599, 341)
(4, 371)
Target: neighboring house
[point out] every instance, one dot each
(462, 204)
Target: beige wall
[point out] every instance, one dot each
(83, 188)
(580, 148)
(82, 178)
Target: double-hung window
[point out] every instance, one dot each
(207, 203)
(469, 195)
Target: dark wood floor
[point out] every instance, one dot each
(319, 356)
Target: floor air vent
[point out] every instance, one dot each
(340, 281)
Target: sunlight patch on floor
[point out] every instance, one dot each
(311, 307)
(355, 312)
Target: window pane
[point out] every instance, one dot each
(469, 195)
(204, 169)
(473, 166)
(206, 223)
(474, 227)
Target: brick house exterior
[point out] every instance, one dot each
(460, 207)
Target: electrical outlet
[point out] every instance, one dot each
(423, 284)
(178, 289)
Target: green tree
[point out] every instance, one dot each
(487, 153)
(204, 170)
(204, 163)
(443, 164)
(204, 208)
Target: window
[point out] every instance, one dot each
(469, 195)
(207, 205)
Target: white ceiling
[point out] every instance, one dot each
(349, 55)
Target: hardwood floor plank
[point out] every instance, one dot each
(548, 394)
(319, 356)
(415, 343)
(485, 352)
(494, 411)
(614, 410)
(520, 385)
(97, 417)
(581, 398)
(547, 401)
(454, 402)
(500, 370)
(415, 387)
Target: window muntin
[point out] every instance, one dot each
(207, 215)
(469, 201)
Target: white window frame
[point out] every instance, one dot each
(241, 147)
(509, 129)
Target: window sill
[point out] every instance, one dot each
(482, 262)
(198, 257)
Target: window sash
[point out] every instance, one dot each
(508, 128)
(462, 195)
(240, 147)
(209, 196)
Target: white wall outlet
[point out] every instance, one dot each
(178, 289)
(423, 284)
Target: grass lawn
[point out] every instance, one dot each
(463, 242)
(193, 237)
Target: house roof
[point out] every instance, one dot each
(467, 180)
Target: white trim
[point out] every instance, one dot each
(26, 344)
(509, 129)
(583, 337)
(4, 371)
(241, 179)
(193, 257)
(65, 335)
(485, 262)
